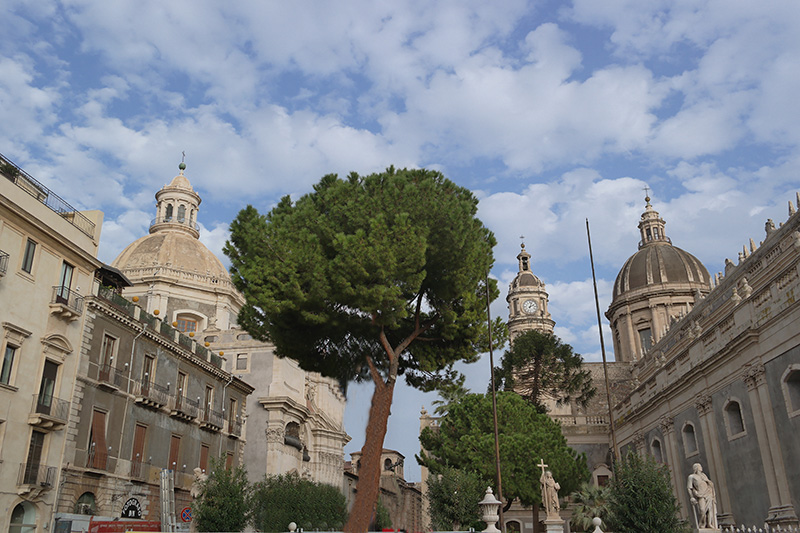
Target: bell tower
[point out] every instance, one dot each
(527, 300)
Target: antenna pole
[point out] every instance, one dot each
(603, 351)
(494, 409)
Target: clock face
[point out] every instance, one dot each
(530, 306)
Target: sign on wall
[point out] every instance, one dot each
(132, 509)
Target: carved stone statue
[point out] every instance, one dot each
(703, 498)
(200, 478)
(550, 490)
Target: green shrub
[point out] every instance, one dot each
(279, 500)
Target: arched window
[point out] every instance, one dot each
(168, 214)
(689, 439)
(733, 419)
(86, 504)
(658, 455)
(512, 526)
(791, 389)
(188, 322)
(292, 435)
(23, 519)
(387, 464)
(181, 213)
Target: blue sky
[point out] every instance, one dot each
(551, 112)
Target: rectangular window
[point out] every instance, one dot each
(185, 325)
(232, 415)
(97, 449)
(44, 402)
(107, 357)
(65, 283)
(174, 452)
(204, 457)
(137, 454)
(8, 364)
(180, 392)
(646, 338)
(34, 457)
(228, 460)
(27, 258)
(241, 361)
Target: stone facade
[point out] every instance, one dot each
(721, 386)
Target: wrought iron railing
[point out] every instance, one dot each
(48, 405)
(65, 296)
(113, 376)
(30, 185)
(152, 391)
(96, 458)
(116, 300)
(3, 263)
(212, 418)
(234, 428)
(36, 474)
(185, 405)
(138, 467)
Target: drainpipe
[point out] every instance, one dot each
(219, 452)
(130, 371)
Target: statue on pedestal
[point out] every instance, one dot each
(703, 498)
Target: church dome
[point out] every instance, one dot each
(171, 250)
(658, 264)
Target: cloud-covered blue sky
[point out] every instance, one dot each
(551, 111)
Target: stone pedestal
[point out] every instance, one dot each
(554, 525)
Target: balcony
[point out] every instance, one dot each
(99, 460)
(28, 183)
(182, 221)
(150, 394)
(3, 263)
(211, 420)
(66, 303)
(234, 428)
(48, 413)
(184, 408)
(34, 478)
(111, 378)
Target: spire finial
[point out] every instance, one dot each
(522, 243)
(182, 166)
(646, 190)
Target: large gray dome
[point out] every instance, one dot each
(657, 264)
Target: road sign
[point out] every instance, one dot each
(186, 514)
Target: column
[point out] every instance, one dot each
(673, 459)
(781, 511)
(713, 454)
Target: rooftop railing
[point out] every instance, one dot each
(30, 185)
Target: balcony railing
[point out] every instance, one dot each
(110, 375)
(36, 474)
(97, 459)
(234, 428)
(48, 412)
(139, 468)
(150, 394)
(184, 408)
(211, 420)
(28, 183)
(3, 263)
(70, 301)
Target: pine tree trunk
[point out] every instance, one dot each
(369, 474)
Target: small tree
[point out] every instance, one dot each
(589, 502)
(224, 501)
(369, 278)
(383, 519)
(641, 498)
(465, 440)
(453, 496)
(539, 365)
(279, 500)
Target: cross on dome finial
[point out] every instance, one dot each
(182, 166)
(522, 238)
(646, 190)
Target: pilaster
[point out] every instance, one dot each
(705, 411)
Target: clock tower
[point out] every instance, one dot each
(527, 301)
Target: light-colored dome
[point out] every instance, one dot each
(173, 250)
(181, 182)
(658, 264)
